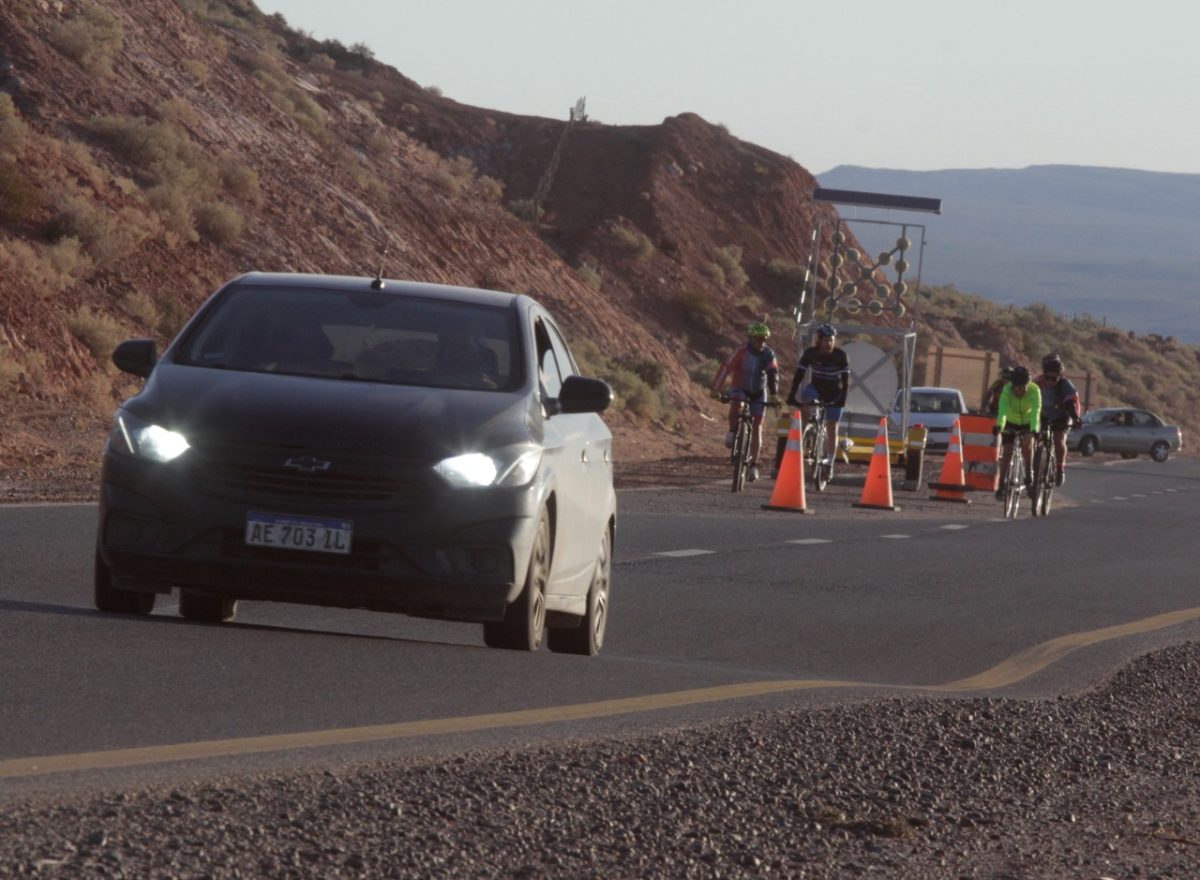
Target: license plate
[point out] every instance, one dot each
(298, 532)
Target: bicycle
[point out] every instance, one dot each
(1014, 480)
(1045, 467)
(739, 455)
(813, 445)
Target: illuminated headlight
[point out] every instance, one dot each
(143, 440)
(511, 466)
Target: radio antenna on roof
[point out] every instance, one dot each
(377, 282)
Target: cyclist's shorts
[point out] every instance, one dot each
(757, 406)
(1010, 431)
(1060, 424)
(808, 394)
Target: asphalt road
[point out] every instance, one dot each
(719, 608)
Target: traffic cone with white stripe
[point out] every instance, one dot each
(953, 484)
(877, 490)
(788, 494)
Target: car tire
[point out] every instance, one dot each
(525, 618)
(109, 598)
(1088, 446)
(587, 638)
(206, 608)
(1160, 451)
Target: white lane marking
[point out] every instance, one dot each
(811, 541)
(953, 527)
(1137, 495)
(681, 553)
(895, 537)
(1119, 498)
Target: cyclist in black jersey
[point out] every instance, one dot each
(829, 384)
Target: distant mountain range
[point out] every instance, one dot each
(1116, 243)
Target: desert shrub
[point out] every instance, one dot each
(240, 182)
(10, 370)
(140, 306)
(107, 238)
(715, 272)
(591, 275)
(81, 154)
(434, 90)
(488, 188)
(627, 376)
(19, 198)
(91, 38)
(173, 314)
(633, 240)
(178, 111)
(197, 69)
(174, 207)
(321, 61)
(705, 371)
(99, 332)
(220, 222)
(699, 311)
(378, 145)
(67, 260)
(524, 209)
(652, 372)
(729, 258)
(13, 130)
(786, 270)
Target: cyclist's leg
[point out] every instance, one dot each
(757, 411)
(1027, 452)
(1060, 452)
(833, 416)
(1006, 441)
(736, 399)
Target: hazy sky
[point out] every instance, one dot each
(915, 84)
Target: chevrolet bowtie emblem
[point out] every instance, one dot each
(308, 465)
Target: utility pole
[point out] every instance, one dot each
(577, 114)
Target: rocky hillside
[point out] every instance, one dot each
(152, 149)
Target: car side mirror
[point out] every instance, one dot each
(580, 394)
(136, 356)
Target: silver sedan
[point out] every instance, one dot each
(1130, 432)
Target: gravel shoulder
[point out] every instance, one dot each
(1101, 785)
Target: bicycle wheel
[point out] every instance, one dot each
(808, 454)
(1039, 479)
(741, 450)
(1048, 480)
(821, 471)
(1013, 484)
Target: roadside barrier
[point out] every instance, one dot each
(953, 484)
(788, 494)
(981, 453)
(877, 490)
(914, 457)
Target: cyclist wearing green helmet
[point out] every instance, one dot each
(753, 371)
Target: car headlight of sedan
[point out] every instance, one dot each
(507, 467)
(140, 439)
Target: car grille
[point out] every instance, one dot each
(251, 475)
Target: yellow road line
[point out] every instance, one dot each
(1010, 671)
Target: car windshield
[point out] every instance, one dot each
(926, 402)
(358, 336)
(1100, 415)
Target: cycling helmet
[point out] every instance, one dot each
(758, 330)
(1020, 376)
(826, 330)
(1006, 373)
(1052, 363)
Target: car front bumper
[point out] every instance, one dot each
(449, 554)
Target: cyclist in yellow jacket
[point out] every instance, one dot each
(1020, 410)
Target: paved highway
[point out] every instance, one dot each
(719, 608)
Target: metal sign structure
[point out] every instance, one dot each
(853, 287)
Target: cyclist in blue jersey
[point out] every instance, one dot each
(829, 383)
(1060, 408)
(753, 372)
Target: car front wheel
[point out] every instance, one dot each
(109, 598)
(525, 619)
(588, 637)
(1087, 446)
(1160, 451)
(202, 607)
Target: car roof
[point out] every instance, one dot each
(934, 389)
(350, 282)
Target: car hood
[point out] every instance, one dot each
(367, 418)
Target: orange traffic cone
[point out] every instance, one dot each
(877, 490)
(788, 494)
(953, 484)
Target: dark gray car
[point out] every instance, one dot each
(357, 443)
(1130, 432)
